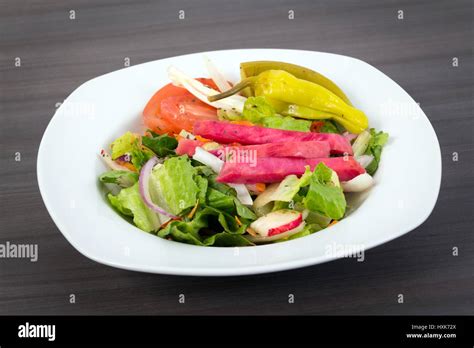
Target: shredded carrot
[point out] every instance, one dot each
(193, 211)
(251, 231)
(238, 220)
(260, 186)
(333, 222)
(178, 137)
(169, 221)
(243, 123)
(202, 140)
(127, 165)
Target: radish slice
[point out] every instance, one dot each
(201, 92)
(277, 222)
(365, 160)
(286, 234)
(360, 183)
(111, 163)
(143, 182)
(216, 76)
(215, 163)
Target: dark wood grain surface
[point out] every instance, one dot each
(58, 54)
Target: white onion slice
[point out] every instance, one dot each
(111, 163)
(143, 182)
(208, 159)
(216, 76)
(243, 194)
(202, 92)
(365, 160)
(360, 183)
(215, 163)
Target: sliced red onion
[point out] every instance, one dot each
(125, 158)
(143, 182)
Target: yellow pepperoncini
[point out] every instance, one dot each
(301, 98)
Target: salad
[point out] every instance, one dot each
(266, 159)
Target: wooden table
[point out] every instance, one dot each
(58, 54)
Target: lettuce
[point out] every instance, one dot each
(130, 144)
(129, 203)
(376, 143)
(323, 195)
(283, 192)
(176, 180)
(329, 127)
(122, 178)
(207, 219)
(258, 111)
(217, 198)
(161, 145)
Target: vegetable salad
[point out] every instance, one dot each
(266, 159)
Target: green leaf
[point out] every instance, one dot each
(202, 184)
(376, 144)
(219, 200)
(130, 144)
(329, 127)
(243, 211)
(197, 230)
(129, 203)
(122, 178)
(258, 111)
(225, 239)
(162, 145)
(323, 196)
(177, 185)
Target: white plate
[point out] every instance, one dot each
(407, 182)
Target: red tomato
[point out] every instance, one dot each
(180, 112)
(172, 109)
(316, 126)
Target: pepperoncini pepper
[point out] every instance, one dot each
(254, 68)
(304, 98)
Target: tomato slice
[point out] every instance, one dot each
(172, 109)
(181, 112)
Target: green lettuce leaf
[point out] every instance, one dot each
(376, 144)
(227, 191)
(219, 200)
(202, 184)
(176, 179)
(130, 144)
(323, 196)
(329, 127)
(201, 230)
(122, 178)
(258, 111)
(129, 203)
(225, 239)
(161, 145)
